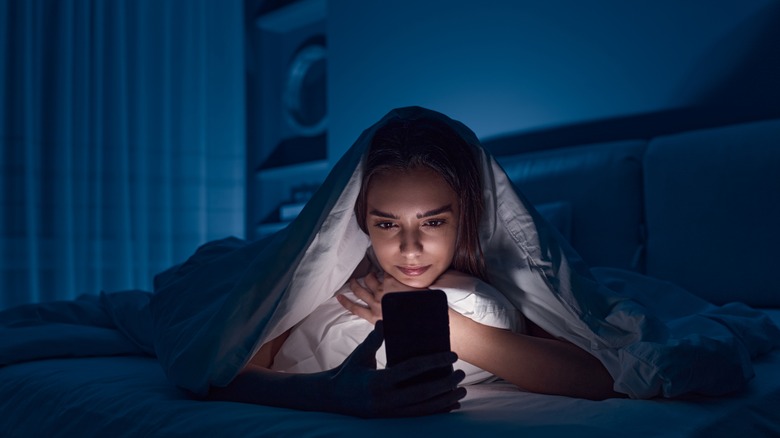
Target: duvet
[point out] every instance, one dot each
(206, 317)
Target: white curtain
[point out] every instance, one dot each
(121, 138)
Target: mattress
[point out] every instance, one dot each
(130, 396)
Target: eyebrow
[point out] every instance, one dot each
(434, 212)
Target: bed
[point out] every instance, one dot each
(130, 396)
(114, 387)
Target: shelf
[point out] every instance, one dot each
(319, 167)
(286, 108)
(296, 150)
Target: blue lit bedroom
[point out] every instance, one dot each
(205, 205)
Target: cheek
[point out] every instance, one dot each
(451, 246)
(382, 247)
(443, 246)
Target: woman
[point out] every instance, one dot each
(420, 203)
(416, 203)
(423, 166)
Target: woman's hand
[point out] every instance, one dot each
(355, 387)
(371, 294)
(359, 389)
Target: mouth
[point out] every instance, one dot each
(413, 271)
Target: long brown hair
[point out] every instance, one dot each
(405, 144)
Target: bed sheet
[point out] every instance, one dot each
(130, 396)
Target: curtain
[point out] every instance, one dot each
(122, 140)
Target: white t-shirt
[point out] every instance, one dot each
(325, 338)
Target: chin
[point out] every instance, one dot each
(417, 283)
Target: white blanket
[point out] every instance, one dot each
(325, 338)
(209, 315)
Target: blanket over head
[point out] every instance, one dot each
(209, 315)
(209, 321)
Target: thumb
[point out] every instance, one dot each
(374, 339)
(366, 351)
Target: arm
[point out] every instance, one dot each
(537, 364)
(355, 387)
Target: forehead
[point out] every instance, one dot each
(419, 187)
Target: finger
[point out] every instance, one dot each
(354, 285)
(347, 303)
(373, 283)
(391, 283)
(374, 339)
(356, 309)
(423, 398)
(362, 293)
(439, 404)
(441, 393)
(418, 365)
(429, 388)
(365, 353)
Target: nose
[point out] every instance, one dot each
(410, 245)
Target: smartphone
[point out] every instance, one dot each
(416, 323)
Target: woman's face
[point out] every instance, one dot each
(412, 221)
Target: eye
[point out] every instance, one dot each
(435, 223)
(384, 225)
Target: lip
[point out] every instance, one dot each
(413, 271)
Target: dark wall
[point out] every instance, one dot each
(516, 66)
